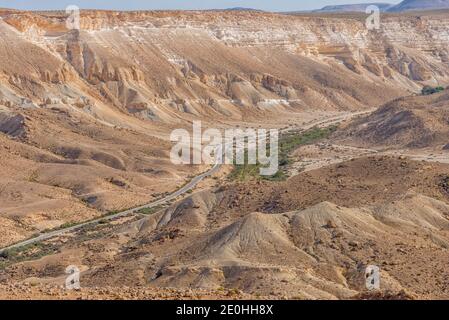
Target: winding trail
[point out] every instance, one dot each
(189, 186)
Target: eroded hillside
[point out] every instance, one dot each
(162, 66)
(275, 239)
(85, 117)
(411, 122)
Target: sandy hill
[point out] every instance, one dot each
(85, 115)
(414, 122)
(318, 252)
(84, 122)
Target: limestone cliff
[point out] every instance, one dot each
(163, 65)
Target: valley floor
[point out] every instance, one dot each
(311, 239)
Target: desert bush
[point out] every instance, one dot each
(428, 90)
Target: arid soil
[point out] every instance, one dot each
(52, 292)
(85, 122)
(308, 238)
(412, 122)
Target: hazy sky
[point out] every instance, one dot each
(269, 5)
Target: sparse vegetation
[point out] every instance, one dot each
(33, 251)
(428, 90)
(291, 141)
(148, 211)
(444, 184)
(33, 177)
(66, 225)
(288, 142)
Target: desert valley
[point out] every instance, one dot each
(86, 178)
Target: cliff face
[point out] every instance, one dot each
(162, 65)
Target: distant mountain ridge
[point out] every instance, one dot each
(360, 7)
(406, 5)
(414, 5)
(242, 9)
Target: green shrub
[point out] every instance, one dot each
(148, 211)
(428, 90)
(288, 143)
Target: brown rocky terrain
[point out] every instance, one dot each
(97, 104)
(63, 168)
(85, 117)
(53, 292)
(411, 122)
(308, 238)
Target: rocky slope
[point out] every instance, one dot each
(412, 122)
(84, 122)
(162, 66)
(275, 239)
(96, 104)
